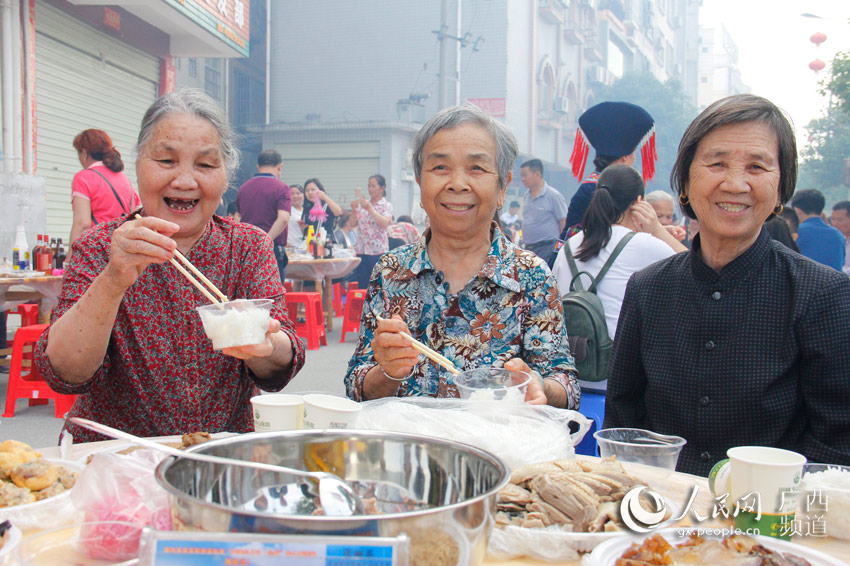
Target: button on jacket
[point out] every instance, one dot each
(757, 354)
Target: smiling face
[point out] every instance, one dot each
(460, 182)
(181, 175)
(297, 198)
(734, 183)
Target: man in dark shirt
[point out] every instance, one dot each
(265, 201)
(816, 239)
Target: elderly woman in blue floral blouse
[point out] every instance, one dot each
(463, 289)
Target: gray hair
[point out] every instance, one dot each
(454, 116)
(659, 196)
(194, 102)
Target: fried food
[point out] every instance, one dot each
(36, 475)
(11, 495)
(736, 550)
(26, 477)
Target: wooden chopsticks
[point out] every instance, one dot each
(428, 352)
(222, 298)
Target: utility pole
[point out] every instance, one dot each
(450, 44)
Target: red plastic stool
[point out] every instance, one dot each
(313, 327)
(354, 300)
(28, 312)
(30, 385)
(339, 294)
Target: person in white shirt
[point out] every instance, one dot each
(296, 225)
(512, 215)
(617, 208)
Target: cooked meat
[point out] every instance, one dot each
(514, 494)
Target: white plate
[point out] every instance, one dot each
(607, 553)
(50, 512)
(12, 540)
(552, 544)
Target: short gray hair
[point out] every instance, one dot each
(194, 102)
(659, 196)
(454, 116)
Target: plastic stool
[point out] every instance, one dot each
(30, 385)
(313, 327)
(339, 293)
(354, 300)
(28, 312)
(593, 407)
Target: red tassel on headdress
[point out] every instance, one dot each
(648, 156)
(578, 159)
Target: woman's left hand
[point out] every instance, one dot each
(645, 218)
(261, 350)
(535, 394)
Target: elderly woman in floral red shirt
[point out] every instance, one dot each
(463, 289)
(125, 336)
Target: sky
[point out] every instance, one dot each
(774, 49)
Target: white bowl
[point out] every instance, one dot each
(242, 322)
(50, 512)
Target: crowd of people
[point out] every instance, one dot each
(723, 333)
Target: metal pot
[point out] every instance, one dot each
(441, 493)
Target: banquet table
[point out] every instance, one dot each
(323, 272)
(43, 289)
(677, 487)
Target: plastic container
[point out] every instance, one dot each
(492, 384)
(825, 495)
(640, 446)
(242, 322)
(95, 543)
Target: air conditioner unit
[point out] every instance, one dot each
(561, 104)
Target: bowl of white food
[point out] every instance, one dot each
(825, 496)
(492, 384)
(242, 322)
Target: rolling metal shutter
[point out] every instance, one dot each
(340, 166)
(84, 79)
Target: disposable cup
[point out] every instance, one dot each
(280, 411)
(328, 411)
(763, 483)
(242, 322)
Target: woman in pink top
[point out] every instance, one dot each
(100, 192)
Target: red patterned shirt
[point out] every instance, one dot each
(160, 375)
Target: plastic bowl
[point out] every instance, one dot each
(826, 495)
(640, 446)
(492, 384)
(237, 323)
(95, 543)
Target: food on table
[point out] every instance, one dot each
(735, 550)
(26, 477)
(237, 323)
(578, 496)
(827, 491)
(187, 440)
(434, 548)
(5, 527)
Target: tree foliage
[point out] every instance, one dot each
(821, 160)
(837, 83)
(668, 105)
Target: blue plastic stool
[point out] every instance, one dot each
(593, 407)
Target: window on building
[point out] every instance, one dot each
(212, 78)
(193, 67)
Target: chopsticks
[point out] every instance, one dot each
(428, 352)
(222, 298)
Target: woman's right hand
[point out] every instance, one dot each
(393, 351)
(137, 244)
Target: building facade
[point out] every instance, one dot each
(719, 74)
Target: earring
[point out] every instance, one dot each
(778, 210)
(684, 200)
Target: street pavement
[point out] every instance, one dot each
(323, 372)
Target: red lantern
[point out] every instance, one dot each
(818, 38)
(817, 65)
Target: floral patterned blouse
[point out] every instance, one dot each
(371, 238)
(160, 375)
(511, 308)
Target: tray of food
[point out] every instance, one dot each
(684, 546)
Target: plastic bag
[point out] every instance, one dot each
(122, 487)
(551, 544)
(518, 433)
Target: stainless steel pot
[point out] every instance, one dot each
(441, 493)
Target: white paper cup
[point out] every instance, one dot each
(328, 411)
(280, 411)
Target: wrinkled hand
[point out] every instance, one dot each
(392, 350)
(136, 244)
(261, 350)
(677, 232)
(535, 394)
(644, 217)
